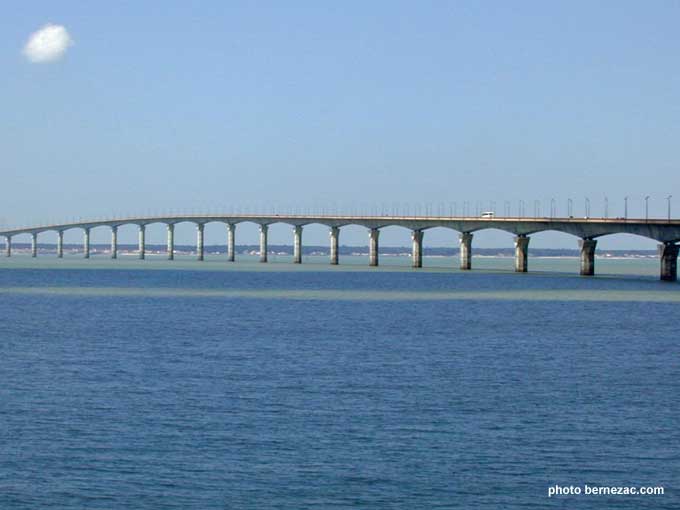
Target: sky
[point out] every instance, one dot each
(148, 107)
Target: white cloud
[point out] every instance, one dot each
(47, 44)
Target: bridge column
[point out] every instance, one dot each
(297, 244)
(231, 242)
(8, 246)
(668, 253)
(587, 247)
(86, 243)
(114, 241)
(465, 251)
(142, 241)
(417, 251)
(171, 241)
(521, 252)
(34, 244)
(199, 241)
(373, 235)
(335, 237)
(263, 242)
(60, 244)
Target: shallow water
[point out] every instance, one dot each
(156, 384)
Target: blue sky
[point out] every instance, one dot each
(212, 105)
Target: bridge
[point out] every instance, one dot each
(587, 230)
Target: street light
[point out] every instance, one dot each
(625, 207)
(606, 207)
(669, 206)
(570, 207)
(553, 211)
(647, 208)
(587, 207)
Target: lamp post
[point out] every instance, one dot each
(553, 211)
(647, 208)
(606, 207)
(570, 207)
(587, 207)
(625, 207)
(668, 198)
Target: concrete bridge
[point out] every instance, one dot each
(587, 230)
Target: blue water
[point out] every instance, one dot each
(178, 400)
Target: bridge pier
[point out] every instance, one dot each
(373, 235)
(60, 244)
(231, 242)
(142, 242)
(170, 244)
(335, 236)
(199, 241)
(263, 242)
(465, 250)
(297, 244)
(668, 253)
(521, 253)
(8, 246)
(417, 250)
(587, 247)
(86, 243)
(114, 242)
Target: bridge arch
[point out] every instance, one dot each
(478, 231)
(489, 248)
(438, 241)
(182, 221)
(626, 241)
(393, 239)
(557, 248)
(566, 238)
(280, 233)
(315, 234)
(621, 239)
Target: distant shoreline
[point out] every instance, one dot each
(390, 251)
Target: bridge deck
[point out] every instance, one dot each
(662, 230)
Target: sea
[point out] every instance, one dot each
(153, 384)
